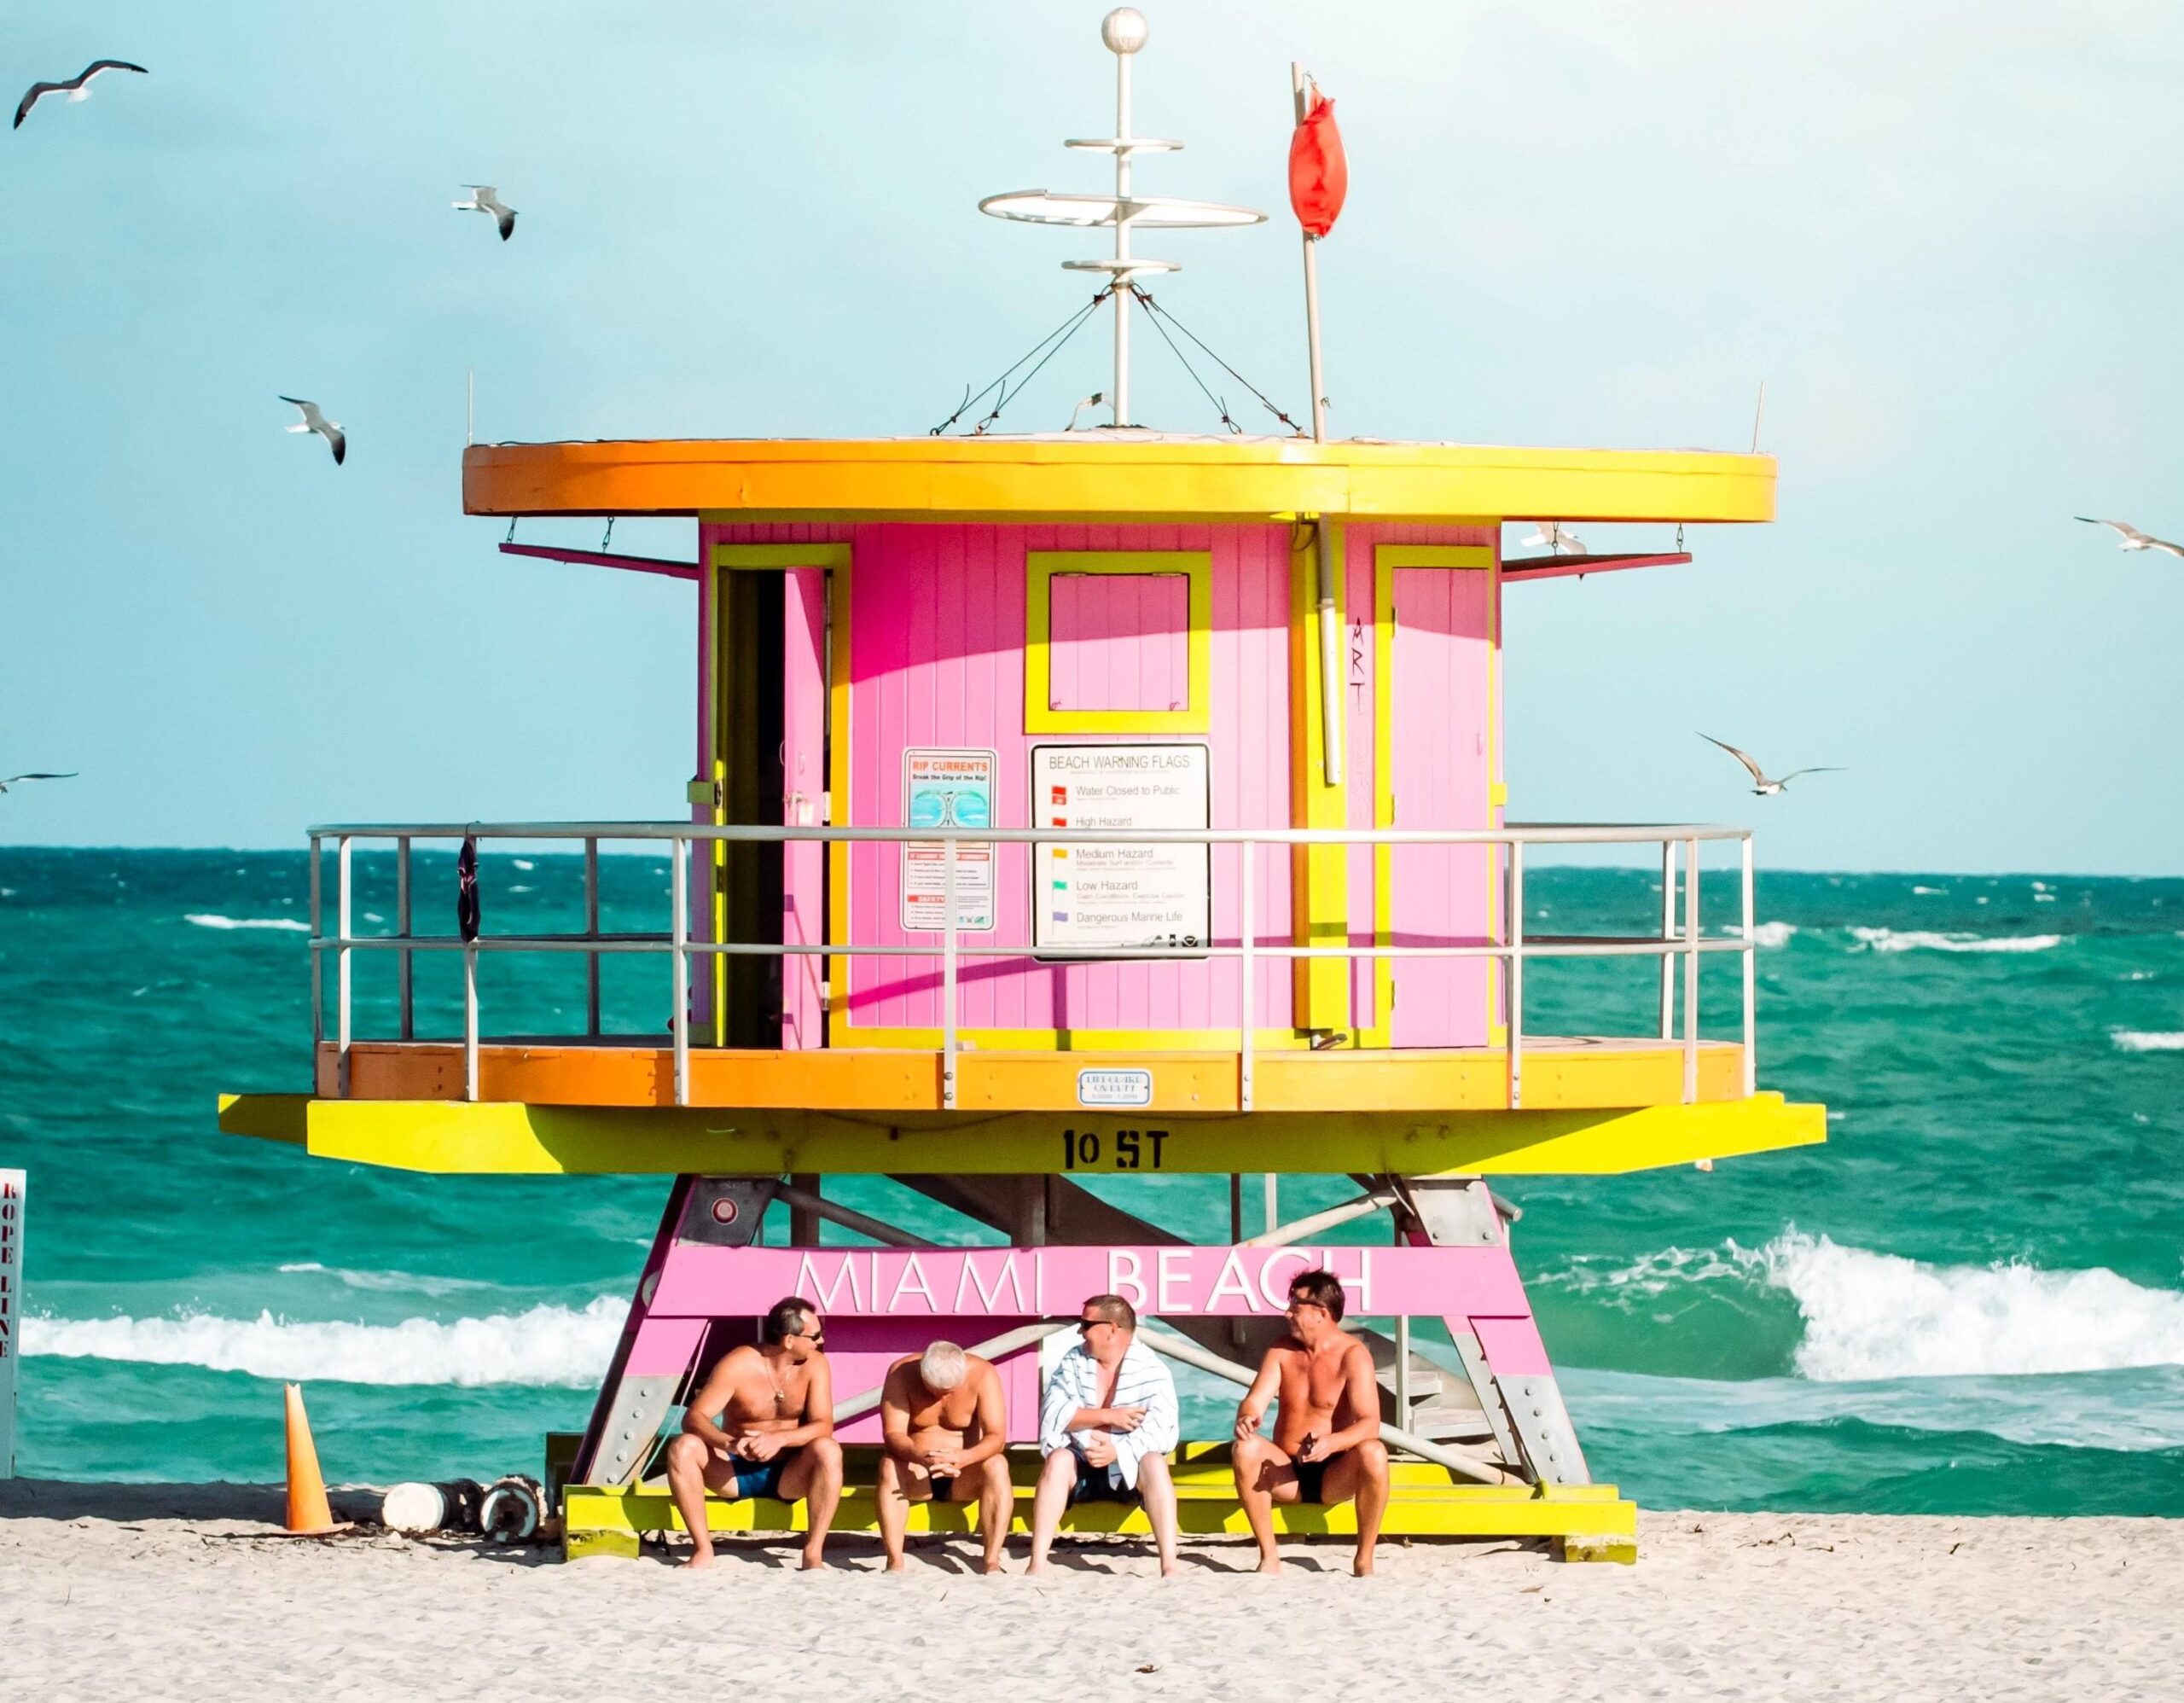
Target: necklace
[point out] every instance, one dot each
(780, 1394)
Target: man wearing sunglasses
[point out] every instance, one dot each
(1105, 1427)
(763, 1425)
(1326, 1446)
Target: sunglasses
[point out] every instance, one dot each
(1085, 1325)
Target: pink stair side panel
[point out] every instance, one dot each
(1512, 1346)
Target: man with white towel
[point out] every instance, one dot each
(1106, 1425)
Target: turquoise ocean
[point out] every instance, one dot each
(1970, 1300)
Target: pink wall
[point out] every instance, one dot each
(936, 636)
(937, 632)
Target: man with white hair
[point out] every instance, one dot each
(1109, 1419)
(944, 1424)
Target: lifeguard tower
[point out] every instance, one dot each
(1082, 808)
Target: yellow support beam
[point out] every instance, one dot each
(1319, 876)
(491, 1137)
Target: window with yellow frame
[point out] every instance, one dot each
(1192, 713)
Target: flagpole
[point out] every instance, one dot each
(1332, 677)
(1311, 281)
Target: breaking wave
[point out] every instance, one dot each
(1862, 1315)
(1928, 940)
(2148, 1041)
(212, 919)
(549, 1345)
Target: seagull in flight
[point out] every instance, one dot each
(313, 421)
(77, 88)
(12, 779)
(485, 198)
(1762, 786)
(2134, 539)
(1558, 538)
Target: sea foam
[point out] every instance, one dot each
(1767, 933)
(2148, 1041)
(209, 920)
(1870, 1314)
(1928, 940)
(547, 1344)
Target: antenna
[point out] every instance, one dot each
(1124, 32)
(470, 414)
(1758, 409)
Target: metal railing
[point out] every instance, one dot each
(1680, 937)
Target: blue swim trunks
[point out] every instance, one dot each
(759, 1478)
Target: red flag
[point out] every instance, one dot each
(1319, 175)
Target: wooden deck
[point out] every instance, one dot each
(1558, 1073)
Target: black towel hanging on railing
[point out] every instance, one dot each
(467, 911)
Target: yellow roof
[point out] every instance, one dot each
(1111, 475)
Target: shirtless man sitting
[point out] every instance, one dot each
(775, 1435)
(945, 1428)
(1326, 1446)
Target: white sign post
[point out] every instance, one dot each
(1115, 895)
(11, 1295)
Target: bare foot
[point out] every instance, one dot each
(895, 1565)
(1170, 1570)
(1037, 1570)
(1269, 1564)
(993, 1566)
(700, 1558)
(1361, 1567)
(813, 1564)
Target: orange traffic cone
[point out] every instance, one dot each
(308, 1511)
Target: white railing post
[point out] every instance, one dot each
(470, 1021)
(317, 971)
(1668, 932)
(408, 1021)
(1246, 1018)
(679, 951)
(1516, 973)
(592, 933)
(947, 975)
(1690, 971)
(344, 971)
(1751, 978)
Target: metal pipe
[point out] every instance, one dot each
(679, 1015)
(470, 1023)
(402, 960)
(1122, 276)
(344, 971)
(856, 1406)
(318, 973)
(1690, 973)
(1516, 977)
(948, 966)
(1282, 1236)
(1556, 947)
(1751, 978)
(1189, 1354)
(591, 932)
(1311, 281)
(1668, 932)
(1528, 833)
(812, 1201)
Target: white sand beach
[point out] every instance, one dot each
(186, 1591)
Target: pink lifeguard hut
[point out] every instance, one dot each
(1112, 804)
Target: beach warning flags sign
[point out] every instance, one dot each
(1319, 174)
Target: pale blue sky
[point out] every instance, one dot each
(1950, 239)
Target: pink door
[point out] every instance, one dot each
(804, 799)
(1441, 895)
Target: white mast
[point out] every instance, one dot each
(1124, 32)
